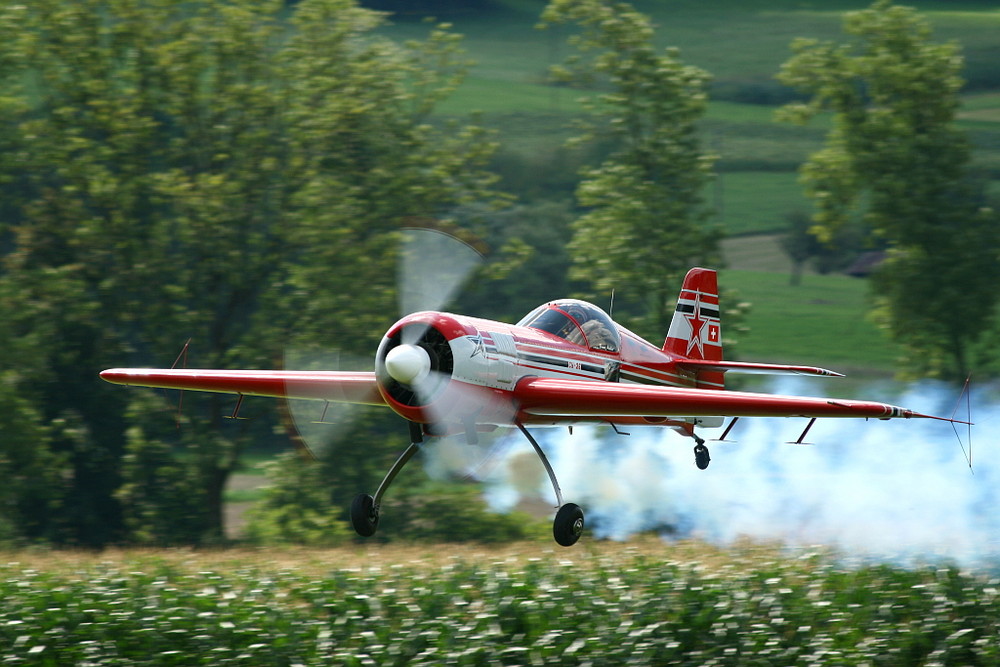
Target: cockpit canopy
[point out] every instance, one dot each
(578, 322)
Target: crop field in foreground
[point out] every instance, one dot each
(643, 602)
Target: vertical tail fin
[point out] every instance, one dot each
(695, 332)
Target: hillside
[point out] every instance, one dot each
(757, 156)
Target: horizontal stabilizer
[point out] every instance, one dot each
(700, 365)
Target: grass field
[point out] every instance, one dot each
(751, 202)
(646, 602)
(820, 321)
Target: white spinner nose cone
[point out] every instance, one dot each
(407, 363)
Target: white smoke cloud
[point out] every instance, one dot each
(897, 490)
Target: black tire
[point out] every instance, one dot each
(701, 457)
(568, 525)
(364, 516)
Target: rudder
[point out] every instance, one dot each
(695, 331)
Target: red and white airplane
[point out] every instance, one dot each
(567, 362)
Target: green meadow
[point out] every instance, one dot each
(820, 321)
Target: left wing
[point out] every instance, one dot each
(547, 397)
(334, 386)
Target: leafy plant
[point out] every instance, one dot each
(651, 603)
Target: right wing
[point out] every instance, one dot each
(334, 386)
(567, 399)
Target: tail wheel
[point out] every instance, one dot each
(568, 525)
(701, 456)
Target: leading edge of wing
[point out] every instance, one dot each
(336, 386)
(569, 398)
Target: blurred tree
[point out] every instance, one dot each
(296, 509)
(33, 493)
(895, 164)
(35, 480)
(201, 169)
(645, 220)
(162, 497)
(799, 245)
(802, 246)
(454, 512)
(423, 8)
(527, 261)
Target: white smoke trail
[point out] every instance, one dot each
(897, 490)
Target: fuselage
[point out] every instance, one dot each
(479, 362)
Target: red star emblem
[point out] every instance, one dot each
(694, 319)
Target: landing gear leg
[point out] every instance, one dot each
(365, 508)
(568, 524)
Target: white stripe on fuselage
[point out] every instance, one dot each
(536, 359)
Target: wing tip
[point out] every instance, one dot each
(114, 375)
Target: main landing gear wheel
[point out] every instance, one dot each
(701, 457)
(364, 515)
(568, 525)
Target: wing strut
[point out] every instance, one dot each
(729, 428)
(802, 437)
(183, 358)
(236, 410)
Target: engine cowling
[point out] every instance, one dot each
(432, 369)
(415, 364)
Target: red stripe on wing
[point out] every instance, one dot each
(545, 396)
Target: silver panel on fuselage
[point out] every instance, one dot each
(498, 356)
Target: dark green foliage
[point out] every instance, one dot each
(452, 512)
(162, 500)
(531, 238)
(31, 490)
(645, 218)
(896, 166)
(441, 8)
(226, 171)
(630, 609)
(802, 246)
(298, 509)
